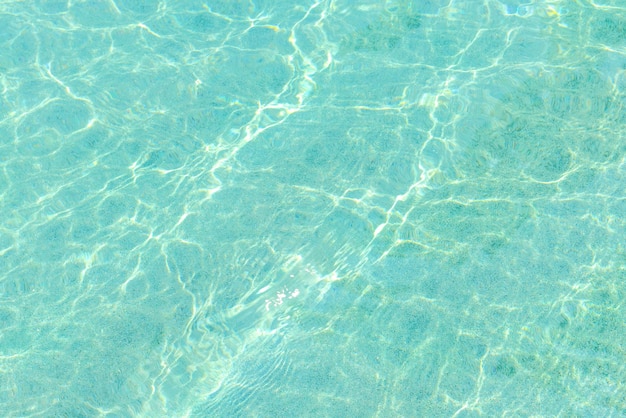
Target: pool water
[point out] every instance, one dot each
(312, 209)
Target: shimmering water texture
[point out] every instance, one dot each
(312, 209)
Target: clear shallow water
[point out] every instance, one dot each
(322, 209)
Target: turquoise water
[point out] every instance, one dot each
(312, 209)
